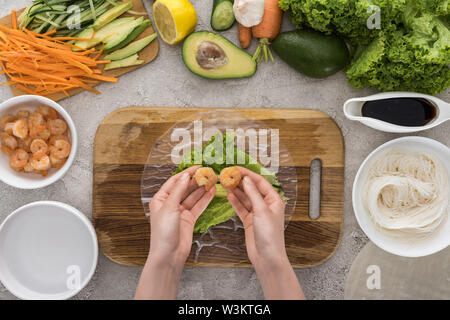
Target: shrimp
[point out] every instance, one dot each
(25, 144)
(6, 150)
(230, 177)
(9, 127)
(56, 162)
(205, 176)
(22, 114)
(41, 164)
(28, 168)
(53, 139)
(57, 126)
(47, 112)
(6, 119)
(18, 159)
(61, 149)
(8, 141)
(40, 132)
(35, 120)
(38, 148)
(20, 129)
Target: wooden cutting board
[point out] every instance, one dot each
(121, 148)
(147, 54)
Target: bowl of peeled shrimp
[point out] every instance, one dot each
(38, 142)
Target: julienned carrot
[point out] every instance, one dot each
(42, 65)
(267, 30)
(13, 19)
(245, 36)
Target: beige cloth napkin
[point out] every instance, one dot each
(376, 274)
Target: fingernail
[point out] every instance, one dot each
(186, 175)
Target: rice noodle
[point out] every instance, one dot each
(407, 193)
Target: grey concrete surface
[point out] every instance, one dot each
(167, 82)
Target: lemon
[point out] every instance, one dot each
(174, 19)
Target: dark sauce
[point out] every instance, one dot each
(408, 112)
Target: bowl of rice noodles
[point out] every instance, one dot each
(401, 196)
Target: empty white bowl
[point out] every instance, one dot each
(405, 247)
(24, 180)
(48, 250)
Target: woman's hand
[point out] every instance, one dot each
(261, 210)
(174, 210)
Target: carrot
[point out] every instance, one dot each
(102, 78)
(267, 30)
(42, 65)
(13, 19)
(245, 36)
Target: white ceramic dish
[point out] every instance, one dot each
(43, 247)
(352, 110)
(24, 180)
(439, 240)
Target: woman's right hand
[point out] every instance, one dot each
(261, 210)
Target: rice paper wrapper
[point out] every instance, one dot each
(227, 238)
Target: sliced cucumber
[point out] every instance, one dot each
(222, 16)
(133, 35)
(127, 62)
(131, 49)
(45, 15)
(85, 16)
(54, 9)
(111, 14)
(58, 21)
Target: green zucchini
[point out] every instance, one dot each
(222, 16)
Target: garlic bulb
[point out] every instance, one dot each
(249, 13)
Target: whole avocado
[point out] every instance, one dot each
(312, 53)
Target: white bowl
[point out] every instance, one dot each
(24, 180)
(48, 250)
(437, 241)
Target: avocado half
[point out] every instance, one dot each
(212, 56)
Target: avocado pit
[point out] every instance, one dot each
(210, 56)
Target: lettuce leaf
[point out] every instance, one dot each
(218, 211)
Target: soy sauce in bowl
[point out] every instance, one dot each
(409, 112)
